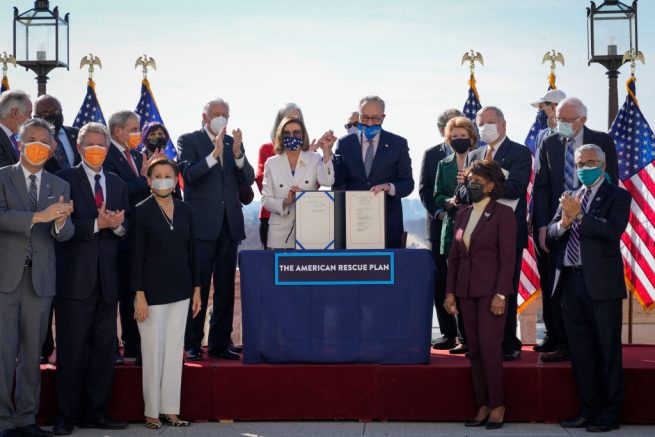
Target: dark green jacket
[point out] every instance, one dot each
(444, 189)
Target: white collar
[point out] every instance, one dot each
(26, 173)
(91, 173)
(6, 129)
(120, 148)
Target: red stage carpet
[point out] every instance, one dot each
(217, 390)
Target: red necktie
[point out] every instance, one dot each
(130, 161)
(100, 197)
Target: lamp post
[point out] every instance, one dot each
(611, 31)
(41, 40)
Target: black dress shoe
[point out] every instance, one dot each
(460, 349)
(511, 356)
(225, 355)
(236, 348)
(33, 431)
(576, 422)
(555, 357)
(605, 427)
(546, 345)
(193, 355)
(476, 423)
(444, 343)
(11, 432)
(62, 427)
(493, 425)
(103, 423)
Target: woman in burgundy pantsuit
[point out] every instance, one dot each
(480, 270)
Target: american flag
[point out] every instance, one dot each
(5, 84)
(90, 109)
(148, 111)
(472, 105)
(635, 148)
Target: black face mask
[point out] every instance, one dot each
(475, 192)
(461, 145)
(157, 143)
(57, 120)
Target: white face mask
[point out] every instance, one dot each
(489, 133)
(163, 184)
(217, 124)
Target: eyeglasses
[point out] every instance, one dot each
(349, 125)
(570, 120)
(289, 134)
(375, 118)
(588, 164)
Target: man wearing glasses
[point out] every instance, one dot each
(556, 173)
(376, 160)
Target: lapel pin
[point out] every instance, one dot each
(386, 145)
(487, 214)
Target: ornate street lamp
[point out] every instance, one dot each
(41, 40)
(611, 31)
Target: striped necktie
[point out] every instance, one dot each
(32, 197)
(569, 165)
(368, 157)
(573, 246)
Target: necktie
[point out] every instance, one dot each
(130, 161)
(569, 166)
(31, 196)
(490, 153)
(100, 197)
(12, 138)
(368, 157)
(60, 155)
(573, 246)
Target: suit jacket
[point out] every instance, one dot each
(426, 184)
(89, 258)
(137, 185)
(213, 193)
(7, 151)
(310, 174)
(444, 189)
(600, 243)
(549, 177)
(52, 165)
(486, 268)
(16, 230)
(391, 164)
(516, 159)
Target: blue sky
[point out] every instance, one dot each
(325, 55)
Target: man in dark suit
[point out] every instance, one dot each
(65, 156)
(516, 162)
(34, 213)
(556, 173)
(589, 274)
(214, 165)
(431, 157)
(376, 160)
(124, 161)
(87, 288)
(15, 109)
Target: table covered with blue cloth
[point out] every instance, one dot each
(337, 322)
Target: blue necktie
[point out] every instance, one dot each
(12, 138)
(569, 165)
(31, 196)
(573, 246)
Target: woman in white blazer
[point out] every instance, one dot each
(294, 168)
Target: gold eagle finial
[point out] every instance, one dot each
(472, 56)
(145, 62)
(91, 61)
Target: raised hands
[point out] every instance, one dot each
(238, 141)
(147, 161)
(57, 212)
(325, 143)
(109, 219)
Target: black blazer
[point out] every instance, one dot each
(83, 257)
(163, 261)
(52, 165)
(213, 193)
(517, 160)
(426, 183)
(549, 178)
(7, 151)
(137, 186)
(600, 243)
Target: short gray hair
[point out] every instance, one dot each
(37, 123)
(445, 116)
(499, 113)
(585, 147)
(580, 108)
(368, 99)
(281, 113)
(216, 101)
(120, 118)
(94, 128)
(11, 99)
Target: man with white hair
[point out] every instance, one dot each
(15, 109)
(589, 276)
(555, 174)
(213, 166)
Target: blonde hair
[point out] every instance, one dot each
(279, 144)
(463, 123)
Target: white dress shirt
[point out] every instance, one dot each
(91, 177)
(495, 148)
(211, 161)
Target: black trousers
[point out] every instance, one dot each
(263, 231)
(594, 332)
(217, 258)
(511, 343)
(130, 330)
(451, 327)
(86, 347)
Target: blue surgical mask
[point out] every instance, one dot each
(292, 143)
(369, 131)
(565, 129)
(588, 176)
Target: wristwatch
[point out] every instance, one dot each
(501, 296)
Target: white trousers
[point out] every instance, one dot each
(162, 348)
